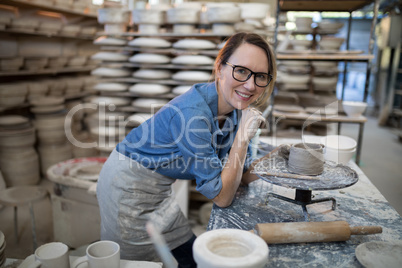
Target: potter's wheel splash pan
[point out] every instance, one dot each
(333, 177)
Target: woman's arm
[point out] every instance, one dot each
(232, 172)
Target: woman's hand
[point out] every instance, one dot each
(251, 120)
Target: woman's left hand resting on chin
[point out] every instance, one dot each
(232, 173)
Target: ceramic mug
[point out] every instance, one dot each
(51, 255)
(101, 254)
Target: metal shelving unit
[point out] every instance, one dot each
(330, 6)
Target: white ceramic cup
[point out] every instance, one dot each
(51, 255)
(101, 254)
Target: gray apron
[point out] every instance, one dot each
(129, 195)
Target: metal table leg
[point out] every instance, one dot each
(16, 224)
(303, 198)
(31, 211)
(359, 143)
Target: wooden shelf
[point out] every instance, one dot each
(21, 3)
(134, 95)
(317, 118)
(50, 35)
(206, 52)
(325, 57)
(322, 5)
(173, 35)
(152, 81)
(157, 66)
(47, 71)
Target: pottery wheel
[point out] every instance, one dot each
(380, 254)
(333, 177)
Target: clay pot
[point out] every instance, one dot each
(20, 168)
(306, 159)
(17, 138)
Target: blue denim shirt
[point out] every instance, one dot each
(183, 140)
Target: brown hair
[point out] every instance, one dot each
(254, 39)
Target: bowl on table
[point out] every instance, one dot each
(354, 108)
(338, 148)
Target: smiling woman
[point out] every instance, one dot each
(202, 135)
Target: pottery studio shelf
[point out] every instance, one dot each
(322, 5)
(30, 4)
(168, 82)
(325, 57)
(172, 35)
(158, 66)
(50, 35)
(47, 71)
(135, 95)
(206, 52)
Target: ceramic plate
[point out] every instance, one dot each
(110, 56)
(193, 60)
(110, 100)
(380, 254)
(194, 44)
(152, 74)
(47, 101)
(192, 76)
(149, 42)
(149, 89)
(181, 89)
(149, 58)
(149, 103)
(103, 40)
(111, 87)
(12, 120)
(47, 109)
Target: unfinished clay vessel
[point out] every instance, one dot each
(306, 159)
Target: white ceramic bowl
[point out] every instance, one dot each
(230, 248)
(338, 156)
(183, 15)
(147, 16)
(331, 43)
(223, 14)
(113, 15)
(253, 10)
(354, 108)
(339, 142)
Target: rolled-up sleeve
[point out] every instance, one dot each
(194, 132)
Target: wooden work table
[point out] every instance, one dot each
(359, 204)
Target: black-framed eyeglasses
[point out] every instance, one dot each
(242, 74)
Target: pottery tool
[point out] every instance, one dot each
(304, 232)
(160, 245)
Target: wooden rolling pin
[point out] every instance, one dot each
(303, 232)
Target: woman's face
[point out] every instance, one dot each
(239, 95)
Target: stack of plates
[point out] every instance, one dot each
(2, 249)
(47, 104)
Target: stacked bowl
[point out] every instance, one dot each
(339, 149)
(19, 162)
(115, 20)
